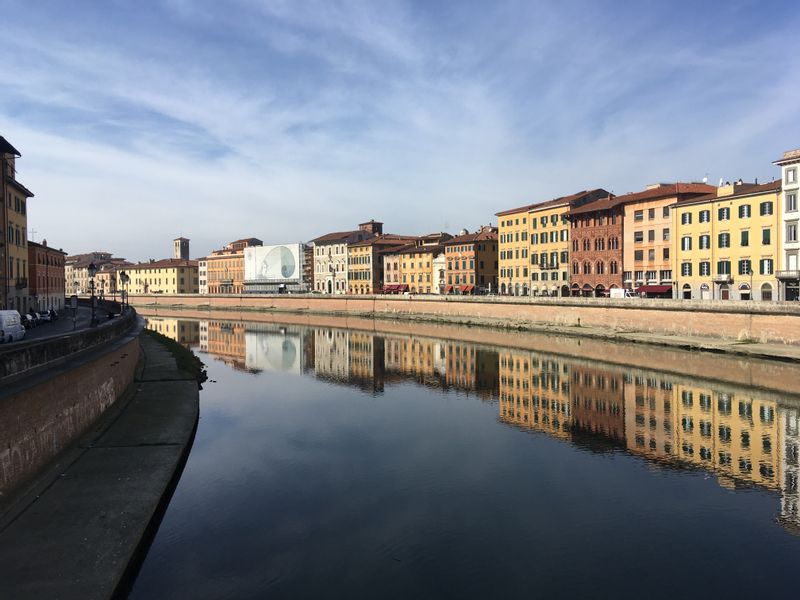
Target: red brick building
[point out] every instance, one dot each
(596, 258)
(46, 283)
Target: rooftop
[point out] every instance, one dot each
(7, 148)
(788, 157)
(568, 200)
(19, 186)
(739, 190)
(165, 263)
(483, 234)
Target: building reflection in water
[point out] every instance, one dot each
(743, 437)
(184, 331)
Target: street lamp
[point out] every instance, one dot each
(92, 269)
(124, 278)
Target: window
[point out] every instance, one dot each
(705, 269)
(665, 275)
(651, 214)
(613, 268)
(723, 267)
(705, 242)
(665, 212)
(765, 208)
(724, 240)
(791, 202)
(665, 253)
(686, 218)
(638, 215)
(651, 235)
(686, 269)
(686, 243)
(651, 254)
(744, 211)
(766, 266)
(665, 234)
(744, 266)
(766, 237)
(638, 236)
(705, 216)
(745, 238)
(791, 175)
(626, 275)
(791, 232)
(724, 214)
(638, 255)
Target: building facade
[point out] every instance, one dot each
(202, 276)
(365, 262)
(15, 232)
(549, 235)
(45, 277)
(513, 250)
(727, 244)
(225, 267)
(168, 276)
(789, 263)
(596, 229)
(471, 262)
(330, 256)
(647, 239)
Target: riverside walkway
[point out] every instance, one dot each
(80, 528)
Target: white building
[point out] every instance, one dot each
(789, 264)
(439, 266)
(202, 274)
(330, 256)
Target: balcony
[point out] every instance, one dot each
(22, 282)
(787, 275)
(226, 281)
(722, 278)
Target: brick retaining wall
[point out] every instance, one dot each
(759, 321)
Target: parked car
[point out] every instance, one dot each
(11, 327)
(28, 321)
(44, 317)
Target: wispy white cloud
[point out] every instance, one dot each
(283, 119)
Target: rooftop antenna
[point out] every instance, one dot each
(720, 182)
(705, 179)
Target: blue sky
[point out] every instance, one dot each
(142, 121)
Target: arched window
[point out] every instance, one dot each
(574, 245)
(575, 269)
(587, 245)
(599, 244)
(612, 267)
(587, 268)
(601, 268)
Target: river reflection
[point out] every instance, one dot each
(747, 439)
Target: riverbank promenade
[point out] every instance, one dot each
(79, 528)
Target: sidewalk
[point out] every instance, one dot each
(78, 530)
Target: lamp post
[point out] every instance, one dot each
(124, 277)
(750, 272)
(92, 272)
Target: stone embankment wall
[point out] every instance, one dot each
(775, 376)
(42, 413)
(21, 359)
(757, 321)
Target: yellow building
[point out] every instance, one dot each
(365, 262)
(726, 245)
(513, 249)
(169, 276)
(417, 268)
(14, 271)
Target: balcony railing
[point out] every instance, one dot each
(722, 278)
(787, 274)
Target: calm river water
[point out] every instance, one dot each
(337, 463)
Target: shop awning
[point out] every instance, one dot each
(402, 288)
(468, 289)
(388, 289)
(654, 289)
(448, 289)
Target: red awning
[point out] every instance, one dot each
(402, 288)
(653, 289)
(448, 289)
(468, 288)
(387, 289)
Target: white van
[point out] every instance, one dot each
(11, 329)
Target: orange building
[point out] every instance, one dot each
(225, 267)
(471, 260)
(365, 273)
(647, 236)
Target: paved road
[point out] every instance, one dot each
(63, 324)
